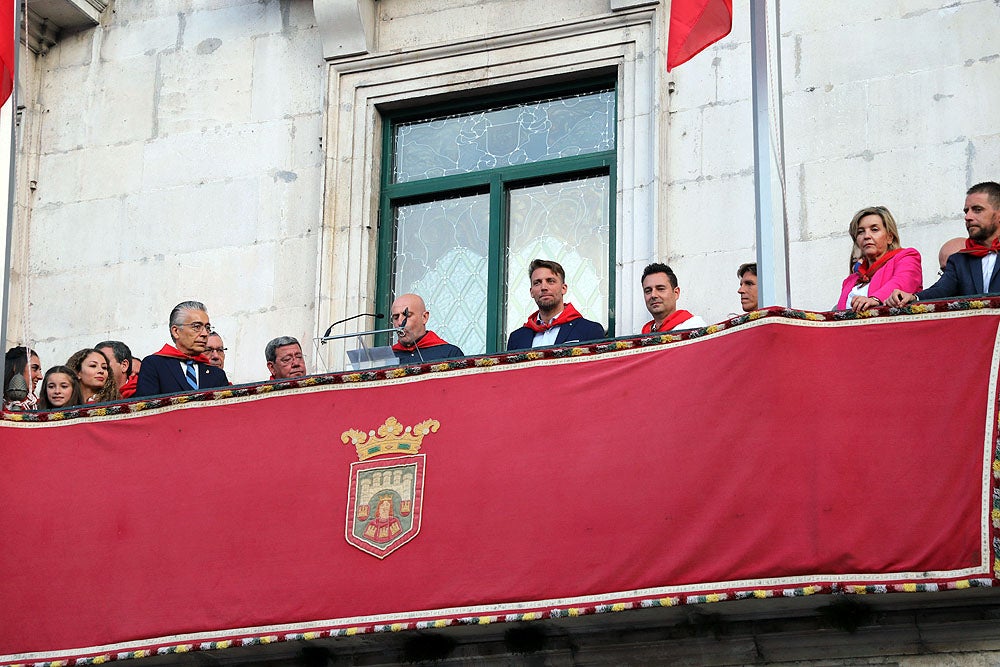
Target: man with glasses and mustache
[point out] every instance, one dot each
(182, 365)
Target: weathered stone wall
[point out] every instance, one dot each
(179, 157)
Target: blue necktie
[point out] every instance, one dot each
(192, 374)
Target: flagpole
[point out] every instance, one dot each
(11, 181)
(773, 282)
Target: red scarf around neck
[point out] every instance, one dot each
(568, 314)
(866, 270)
(429, 339)
(174, 353)
(977, 249)
(675, 318)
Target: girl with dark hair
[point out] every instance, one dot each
(60, 389)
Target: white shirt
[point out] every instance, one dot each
(547, 337)
(989, 261)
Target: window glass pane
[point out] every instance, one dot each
(543, 130)
(566, 222)
(442, 248)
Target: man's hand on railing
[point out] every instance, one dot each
(900, 298)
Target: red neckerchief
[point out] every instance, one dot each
(174, 353)
(568, 314)
(128, 388)
(429, 339)
(675, 318)
(977, 249)
(866, 271)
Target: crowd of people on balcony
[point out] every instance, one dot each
(882, 273)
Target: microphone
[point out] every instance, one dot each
(377, 316)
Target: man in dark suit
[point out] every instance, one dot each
(973, 269)
(182, 366)
(555, 322)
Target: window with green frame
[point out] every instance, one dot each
(471, 195)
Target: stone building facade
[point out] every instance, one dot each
(236, 152)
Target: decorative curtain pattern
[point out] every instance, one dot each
(566, 222)
(442, 249)
(519, 134)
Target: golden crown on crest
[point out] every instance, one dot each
(390, 438)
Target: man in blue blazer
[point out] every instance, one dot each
(974, 269)
(183, 365)
(555, 322)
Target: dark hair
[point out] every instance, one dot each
(76, 398)
(271, 351)
(989, 188)
(657, 267)
(14, 363)
(109, 392)
(744, 268)
(554, 267)
(122, 353)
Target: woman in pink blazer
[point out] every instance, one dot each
(884, 265)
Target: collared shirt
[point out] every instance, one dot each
(989, 262)
(547, 337)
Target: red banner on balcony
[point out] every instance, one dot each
(778, 457)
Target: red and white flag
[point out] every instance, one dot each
(694, 26)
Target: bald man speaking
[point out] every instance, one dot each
(417, 345)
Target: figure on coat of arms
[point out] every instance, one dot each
(384, 525)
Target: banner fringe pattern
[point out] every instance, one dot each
(603, 347)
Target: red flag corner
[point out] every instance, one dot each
(695, 25)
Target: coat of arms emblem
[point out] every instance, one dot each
(385, 495)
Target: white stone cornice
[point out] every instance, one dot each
(347, 27)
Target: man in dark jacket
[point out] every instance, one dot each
(973, 269)
(555, 322)
(416, 344)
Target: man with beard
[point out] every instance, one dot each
(556, 322)
(973, 269)
(416, 343)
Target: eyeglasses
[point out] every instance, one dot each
(216, 349)
(197, 327)
(287, 359)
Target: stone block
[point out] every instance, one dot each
(825, 124)
(112, 104)
(73, 49)
(983, 155)
(684, 145)
(95, 173)
(216, 154)
(403, 25)
(916, 184)
(289, 75)
(195, 217)
(89, 234)
(817, 269)
(231, 21)
(727, 139)
(122, 40)
(710, 215)
(205, 86)
(290, 204)
(885, 48)
(933, 107)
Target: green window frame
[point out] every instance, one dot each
(497, 183)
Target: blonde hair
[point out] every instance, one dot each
(883, 213)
